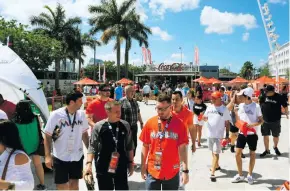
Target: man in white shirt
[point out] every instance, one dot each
(3, 115)
(225, 97)
(84, 98)
(248, 112)
(217, 117)
(146, 93)
(67, 127)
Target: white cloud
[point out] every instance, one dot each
(246, 36)
(224, 22)
(177, 56)
(278, 1)
(162, 34)
(159, 7)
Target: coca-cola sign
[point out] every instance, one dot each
(172, 67)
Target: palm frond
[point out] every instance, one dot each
(51, 11)
(125, 7)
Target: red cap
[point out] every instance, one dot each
(216, 94)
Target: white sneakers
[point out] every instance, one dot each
(239, 178)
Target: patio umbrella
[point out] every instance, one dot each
(265, 80)
(281, 80)
(238, 79)
(202, 80)
(125, 81)
(86, 81)
(214, 81)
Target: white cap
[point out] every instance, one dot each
(3, 115)
(247, 91)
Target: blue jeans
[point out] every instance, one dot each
(152, 183)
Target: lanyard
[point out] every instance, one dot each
(115, 138)
(72, 124)
(161, 134)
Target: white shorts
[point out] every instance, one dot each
(196, 121)
(214, 145)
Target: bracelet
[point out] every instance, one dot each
(89, 162)
(185, 171)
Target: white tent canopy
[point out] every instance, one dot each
(16, 78)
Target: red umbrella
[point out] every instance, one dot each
(265, 80)
(202, 80)
(214, 81)
(281, 80)
(86, 81)
(238, 80)
(125, 81)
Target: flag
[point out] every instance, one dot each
(104, 73)
(196, 56)
(144, 53)
(149, 56)
(99, 71)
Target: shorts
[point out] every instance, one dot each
(196, 121)
(273, 128)
(146, 95)
(234, 129)
(64, 171)
(251, 140)
(214, 145)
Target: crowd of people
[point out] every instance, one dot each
(108, 129)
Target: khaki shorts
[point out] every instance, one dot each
(214, 145)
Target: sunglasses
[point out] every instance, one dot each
(162, 109)
(105, 90)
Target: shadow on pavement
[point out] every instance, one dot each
(136, 185)
(232, 173)
(275, 183)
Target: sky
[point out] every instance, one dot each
(226, 32)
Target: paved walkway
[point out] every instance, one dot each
(269, 172)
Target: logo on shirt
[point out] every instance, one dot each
(216, 112)
(168, 135)
(63, 123)
(270, 101)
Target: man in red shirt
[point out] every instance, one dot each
(96, 109)
(7, 106)
(164, 140)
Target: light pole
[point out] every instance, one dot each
(271, 36)
(94, 61)
(180, 48)
(134, 69)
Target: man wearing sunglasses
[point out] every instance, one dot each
(164, 140)
(96, 109)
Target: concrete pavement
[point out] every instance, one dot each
(269, 172)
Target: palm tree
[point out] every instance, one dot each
(55, 25)
(138, 31)
(112, 20)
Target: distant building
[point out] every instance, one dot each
(91, 62)
(282, 60)
(209, 71)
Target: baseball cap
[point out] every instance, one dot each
(270, 88)
(247, 92)
(104, 87)
(216, 95)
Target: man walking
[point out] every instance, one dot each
(164, 140)
(67, 128)
(250, 113)
(118, 92)
(271, 110)
(130, 112)
(146, 93)
(96, 109)
(217, 117)
(111, 146)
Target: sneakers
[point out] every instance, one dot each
(237, 179)
(265, 153)
(213, 178)
(40, 187)
(250, 179)
(198, 144)
(277, 151)
(232, 148)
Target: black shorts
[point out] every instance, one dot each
(234, 129)
(273, 128)
(64, 171)
(251, 140)
(146, 95)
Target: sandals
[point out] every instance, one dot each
(213, 178)
(218, 168)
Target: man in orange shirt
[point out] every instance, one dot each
(184, 115)
(96, 109)
(164, 140)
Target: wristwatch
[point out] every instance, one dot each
(11, 186)
(185, 171)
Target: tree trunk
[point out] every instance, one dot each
(126, 60)
(118, 57)
(80, 67)
(74, 65)
(57, 65)
(64, 65)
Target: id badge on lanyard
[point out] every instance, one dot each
(158, 159)
(114, 162)
(70, 144)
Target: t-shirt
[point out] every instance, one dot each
(185, 90)
(102, 145)
(3, 115)
(199, 108)
(67, 137)
(9, 108)
(249, 113)
(175, 136)
(271, 107)
(155, 89)
(97, 108)
(146, 89)
(225, 98)
(217, 116)
(185, 116)
(119, 92)
(84, 99)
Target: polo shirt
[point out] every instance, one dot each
(97, 108)
(185, 116)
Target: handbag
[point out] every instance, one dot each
(40, 150)
(12, 187)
